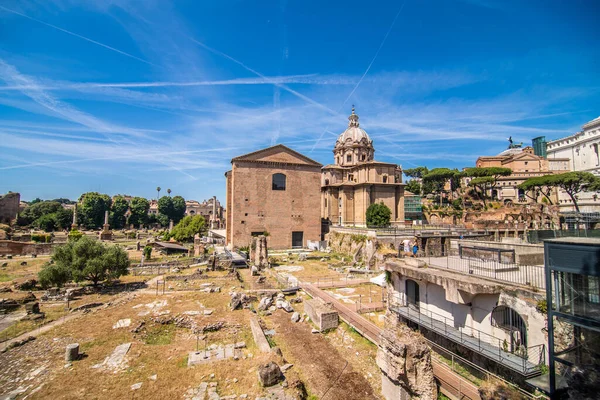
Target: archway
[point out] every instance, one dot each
(509, 320)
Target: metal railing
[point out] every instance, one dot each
(524, 360)
(528, 275)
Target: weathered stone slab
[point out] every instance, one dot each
(122, 323)
(116, 360)
(259, 336)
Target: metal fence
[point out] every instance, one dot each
(525, 360)
(539, 236)
(528, 275)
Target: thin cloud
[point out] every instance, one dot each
(78, 36)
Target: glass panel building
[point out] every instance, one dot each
(573, 302)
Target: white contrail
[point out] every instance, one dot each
(310, 79)
(78, 36)
(247, 68)
(366, 71)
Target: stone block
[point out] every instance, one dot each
(323, 315)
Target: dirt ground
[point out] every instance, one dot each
(322, 367)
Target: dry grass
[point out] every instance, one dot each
(15, 271)
(164, 355)
(52, 313)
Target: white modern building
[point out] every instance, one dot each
(582, 150)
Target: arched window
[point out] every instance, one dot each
(385, 179)
(326, 181)
(509, 320)
(278, 182)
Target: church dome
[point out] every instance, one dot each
(354, 145)
(354, 133)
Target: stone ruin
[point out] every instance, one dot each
(405, 362)
(321, 313)
(258, 252)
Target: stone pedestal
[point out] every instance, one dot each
(72, 352)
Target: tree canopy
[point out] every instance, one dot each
(418, 172)
(571, 182)
(138, 206)
(46, 215)
(117, 212)
(485, 178)
(172, 208)
(189, 226)
(84, 259)
(92, 208)
(378, 215)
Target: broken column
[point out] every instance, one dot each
(72, 352)
(259, 254)
(405, 362)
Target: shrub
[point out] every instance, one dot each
(378, 214)
(41, 238)
(53, 275)
(147, 252)
(457, 204)
(86, 259)
(74, 235)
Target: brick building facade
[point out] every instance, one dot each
(274, 190)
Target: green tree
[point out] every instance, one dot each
(189, 226)
(158, 192)
(46, 222)
(163, 220)
(34, 201)
(378, 215)
(89, 259)
(417, 173)
(37, 210)
(64, 218)
(92, 208)
(536, 186)
(574, 183)
(54, 275)
(178, 209)
(413, 186)
(165, 206)
(438, 177)
(488, 178)
(118, 209)
(139, 207)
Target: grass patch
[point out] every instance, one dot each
(271, 341)
(160, 335)
(183, 362)
(6, 277)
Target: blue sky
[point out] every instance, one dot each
(122, 96)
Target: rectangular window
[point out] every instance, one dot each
(349, 158)
(297, 240)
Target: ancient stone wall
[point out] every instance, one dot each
(9, 207)
(405, 362)
(11, 247)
